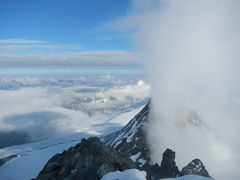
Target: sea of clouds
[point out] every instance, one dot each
(47, 107)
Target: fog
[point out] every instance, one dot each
(191, 53)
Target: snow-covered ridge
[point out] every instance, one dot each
(129, 131)
(131, 139)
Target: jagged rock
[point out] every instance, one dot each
(168, 168)
(6, 159)
(89, 160)
(195, 167)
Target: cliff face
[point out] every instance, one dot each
(124, 149)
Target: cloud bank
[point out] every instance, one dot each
(191, 51)
(50, 108)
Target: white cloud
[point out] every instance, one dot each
(191, 52)
(56, 110)
(21, 41)
(9, 46)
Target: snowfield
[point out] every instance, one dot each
(132, 174)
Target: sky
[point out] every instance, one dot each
(64, 33)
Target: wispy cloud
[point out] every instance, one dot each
(95, 58)
(22, 52)
(21, 41)
(9, 46)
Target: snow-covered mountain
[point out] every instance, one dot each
(92, 159)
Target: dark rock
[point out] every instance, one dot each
(195, 167)
(6, 159)
(89, 160)
(168, 168)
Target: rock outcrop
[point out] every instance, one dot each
(195, 167)
(6, 159)
(168, 168)
(89, 160)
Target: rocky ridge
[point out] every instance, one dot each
(124, 149)
(90, 159)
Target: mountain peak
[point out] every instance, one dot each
(195, 167)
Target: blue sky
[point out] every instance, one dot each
(64, 21)
(66, 33)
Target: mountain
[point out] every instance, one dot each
(124, 149)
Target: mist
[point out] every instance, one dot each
(191, 53)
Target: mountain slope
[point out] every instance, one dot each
(131, 139)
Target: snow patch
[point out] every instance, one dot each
(117, 143)
(142, 162)
(135, 157)
(132, 174)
